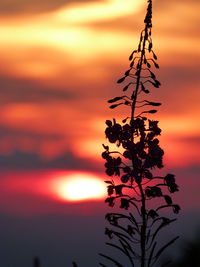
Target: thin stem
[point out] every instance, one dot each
(143, 227)
(143, 205)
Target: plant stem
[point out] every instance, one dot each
(143, 200)
(135, 93)
(143, 227)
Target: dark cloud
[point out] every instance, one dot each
(22, 160)
(33, 6)
(15, 90)
(173, 75)
(189, 171)
(167, 3)
(191, 139)
(19, 133)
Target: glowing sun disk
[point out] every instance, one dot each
(76, 187)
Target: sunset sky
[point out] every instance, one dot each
(60, 60)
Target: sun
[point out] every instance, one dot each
(79, 187)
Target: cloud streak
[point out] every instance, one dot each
(57, 73)
(36, 6)
(19, 160)
(16, 90)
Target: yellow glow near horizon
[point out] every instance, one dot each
(41, 45)
(50, 29)
(80, 186)
(98, 11)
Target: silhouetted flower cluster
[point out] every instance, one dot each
(138, 153)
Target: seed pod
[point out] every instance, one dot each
(126, 87)
(114, 106)
(131, 55)
(150, 47)
(148, 65)
(115, 99)
(127, 72)
(152, 111)
(156, 65)
(154, 103)
(121, 80)
(154, 56)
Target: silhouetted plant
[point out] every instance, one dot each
(190, 255)
(36, 262)
(134, 184)
(74, 264)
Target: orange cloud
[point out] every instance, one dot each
(71, 50)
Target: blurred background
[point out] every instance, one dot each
(60, 60)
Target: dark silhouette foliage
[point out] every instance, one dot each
(36, 262)
(190, 255)
(133, 185)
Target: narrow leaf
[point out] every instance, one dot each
(160, 227)
(127, 253)
(127, 245)
(164, 247)
(166, 263)
(151, 255)
(120, 235)
(111, 259)
(135, 206)
(117, 247)
(134, 221)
